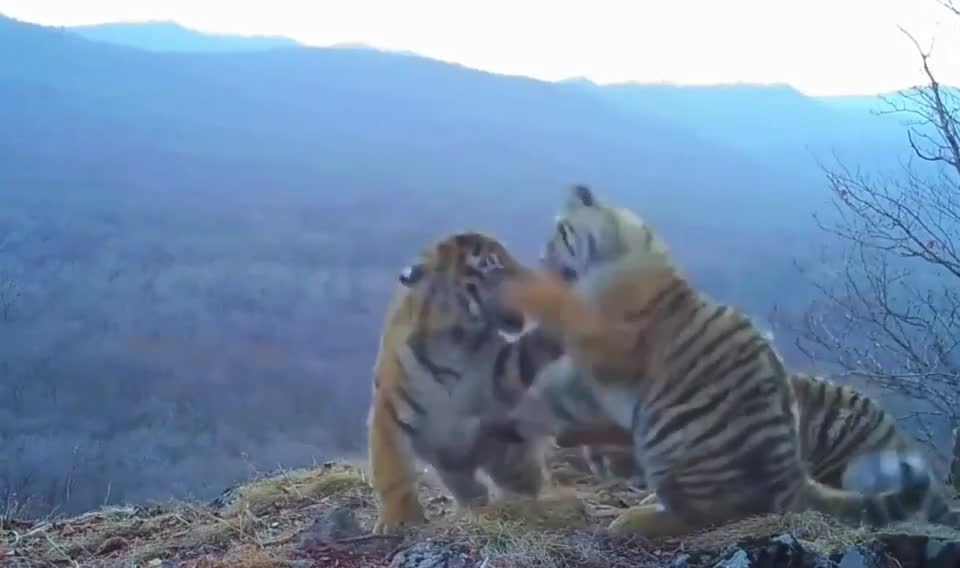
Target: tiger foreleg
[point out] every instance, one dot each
(393, 475)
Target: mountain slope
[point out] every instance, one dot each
(305, 114)
(774, 124)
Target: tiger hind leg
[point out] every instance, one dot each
(463, 484)
(651, 521)
(518, 469)
(650, 499)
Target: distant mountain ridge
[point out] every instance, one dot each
(170, 36)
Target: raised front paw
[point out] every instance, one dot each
(397, 516)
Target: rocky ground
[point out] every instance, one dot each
(322, 517)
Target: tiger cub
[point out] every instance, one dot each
(442, 360)
(705, 395)
(837, 425)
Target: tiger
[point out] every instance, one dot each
(706, 397)
(607, 450)
(449, 352)
(838, 424)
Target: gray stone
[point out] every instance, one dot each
(430, 554)
(335, 524)
(853, 558)
(739, 559)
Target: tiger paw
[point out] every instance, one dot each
(648, 521)
(394, 519)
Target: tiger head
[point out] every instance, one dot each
(588, 232)
(455, 281)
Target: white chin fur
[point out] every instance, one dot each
(510, 336)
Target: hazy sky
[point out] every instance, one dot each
(819, 46)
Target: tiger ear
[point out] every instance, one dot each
(412, 274)
(581, 196)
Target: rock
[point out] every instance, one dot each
(922, 550)
(226, 498)
(860, 557)
(739, 559)
(111, 545)
(430, 554)
(779, 551)
(336, 524)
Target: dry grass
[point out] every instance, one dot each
(256, 529)
(263, 523)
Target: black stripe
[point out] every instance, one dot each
(439, 372)
(692, 387)
(830, 417)
(593, 252)
(392, 411)
(651, 306)
(858, 420)
(759, 462)
(681, 419)
(525, 364)
(414, 405)
(500, 389)
(562, 228)
(704, 351)
(696, 336)
(736, 444)
(724, 337)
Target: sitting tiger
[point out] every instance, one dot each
(837, 425)
(442, 361)
(704, 394)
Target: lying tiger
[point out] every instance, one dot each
(713, 415)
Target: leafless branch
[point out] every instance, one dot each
(888, 311)
(950, 5)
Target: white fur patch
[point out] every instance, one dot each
(474, 308)
(878, 472)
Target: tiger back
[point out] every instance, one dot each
(705, 395)
(442, 361)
